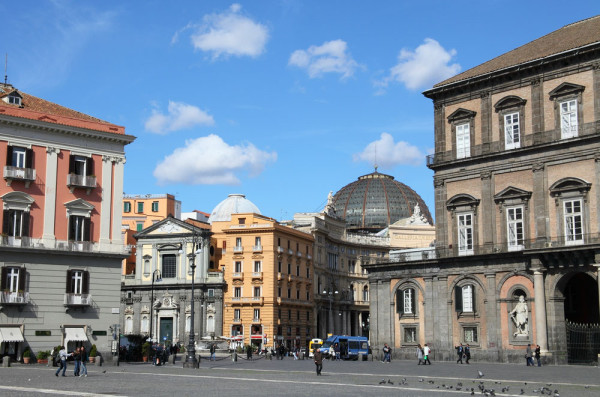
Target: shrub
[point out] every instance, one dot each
(182, 349)
(43, 354)
(146, 349)
(27, 353)
(93, 351)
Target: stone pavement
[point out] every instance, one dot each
(297, 378)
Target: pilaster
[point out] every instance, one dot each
(105, 204)
(541, 334)
(494, 331)
(117, 198)
(540, 195)
(430, 309)
(48, 236)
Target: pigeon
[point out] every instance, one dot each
(431, 382)
(458, 388)
(459, 384)
(522, 391)
(390, 382)
(548, 384)
(556, 395)
(104, 371)
(479, 374)
(421, 380)
(536, 391)
(472, 392)
(382, 381)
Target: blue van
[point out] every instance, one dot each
(351, 347)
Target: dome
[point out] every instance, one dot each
(233, 204)
(375, 201)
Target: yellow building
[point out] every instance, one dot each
(268, 271)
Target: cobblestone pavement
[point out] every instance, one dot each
(297, 378)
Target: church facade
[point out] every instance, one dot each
(516, 178)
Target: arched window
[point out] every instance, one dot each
(465, 298)
(406, 301)
(145, 324)
(129, 325)
(188, 324)
(366, 293)
(210, 324)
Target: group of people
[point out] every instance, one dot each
(463, 353)
(334, 352)
(529, 354)
(80, 358)
(423, 354)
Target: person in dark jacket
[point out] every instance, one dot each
(77, 360)
(318, 357)
(468, 353)
(84, 360)
(460, 351)
(538, 355)
(249, 352)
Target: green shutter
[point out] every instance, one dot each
(458, 303)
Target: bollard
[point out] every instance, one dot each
(6, 361)
(234, 357)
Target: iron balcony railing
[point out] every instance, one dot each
(14, 298)
(78, 299)
(11, 172)
(74, 180)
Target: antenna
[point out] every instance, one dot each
(5, 68)
(375, 157)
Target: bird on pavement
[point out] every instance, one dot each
(382, 381)
(421, 380)
(390, 382)
(479, 374)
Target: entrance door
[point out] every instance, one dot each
(582, 317)
(166, 331)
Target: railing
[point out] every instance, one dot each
(257, 275)
(237, 320)
(81, 181)
(257, 248)
(256, 320)
(14, 298)
(238, 275)
(18, 241)
(214, 277)
(78, 299)
(279, 250)
(238, 249)
(26, 174)
(62, 245)
(246, 299)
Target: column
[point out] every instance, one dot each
(48, 236)
(539, 204)
(488, 213)
(429, 309)
(106, 203)
(494, 331)
(440, 294)
(117, 198)
(541, 334)
(597, 266)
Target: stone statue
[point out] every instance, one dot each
(520, 316)
(329, 210)
(417, 218)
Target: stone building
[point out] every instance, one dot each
(516, 178)
(156, 298)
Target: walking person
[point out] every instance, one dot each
(538, 355)
(387, 353)
(460, 351)
(318, 357)
(84, 360)
(249, 352)
(336, 348)
(331, 353)
(213, 350)
(420, 355)
(468, 353)
(529, 356)
(77, 359)
(426, 352)
(62, 355)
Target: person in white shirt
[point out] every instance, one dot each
(426, 352)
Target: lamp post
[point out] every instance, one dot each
(330, 293)
(190, 359)
(156, 276)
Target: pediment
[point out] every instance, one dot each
(512, 192)
(509, 101)
(462, 200)
(566, 89)
(569, 185)
(461, 114)
(79, 207)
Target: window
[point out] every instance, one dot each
(289, 293)
(257, 241)
(410, 334)
(308, 295)
(257, 267)
(465, 234)
(470, 335)
(129, 325)
(463, 141)
(18, 157)
(568, 119)
(79, 228)
(126, 206)
(366, 293)
(145, 324)
(573, 221)
(237, 292)
(14, 99)
(140, 207)
(78, 282)
(308, 317)
(279, 313)
(256, 292)
(236, 315)
(289, 268)
(514, 223)
(406, 301)
(241, 221)
(465, 298)
(139, 226)
(155, 206)
(298, 270)
(298, 294)
(307, 272)
(16, 223)
(80, 165)
(238, 241)
(13, 279)
(279, 292)
(289, 314)
(211, 292)
(256, 314)
(512, 134)
(238, 267)
(169, 266)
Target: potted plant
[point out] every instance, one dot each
(26, 356)
(146, 351)
(93, 353)
(42, 356)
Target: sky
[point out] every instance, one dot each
(280, 100)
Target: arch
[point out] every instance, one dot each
(462, 200)
(569, 184)
(507, 276)
(509, 101)
(408, 281)
(467, 277)
(17, 201)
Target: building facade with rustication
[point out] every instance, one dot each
(516, 178)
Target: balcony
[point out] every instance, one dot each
(76, 300)
(14, 298)
(257, 300)
(299, 254)
(38, 244)
(257, 248)
(19, 174)
(238, 249)
(238, 275)
(237, 321)
(290, 251)
(308, 256)
(15, 241)
(279, 276)
(81, 181)
(257, 275)
(256, 321)
(279, 250)
(214, 277)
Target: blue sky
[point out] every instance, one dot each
(281, 100)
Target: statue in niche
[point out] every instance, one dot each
(520, 317)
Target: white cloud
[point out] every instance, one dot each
(427, 65)
(386, 153)
(331, 57)
(210, 161)
(181, 116)
(229, 33)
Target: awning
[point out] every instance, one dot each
(256, 336)
(11, 334)
(75, 335)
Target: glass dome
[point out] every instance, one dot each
(375, 201)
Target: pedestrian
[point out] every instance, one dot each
(77, 360)
(84, 360)
(213, 350)
(538, 355)
(529, 356)
(249, 352)
(468, 353)
(420, 354)
(460, 351)
(281, 351)
(331, 353)
(318, 357)
(63, 355)
(426, 353)
(387, 353)
(336, 348)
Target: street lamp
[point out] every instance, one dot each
(330, 293)
(156, 276)
(190, 359)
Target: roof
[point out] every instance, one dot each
(569, 37)
(233, 204)
(34, 108)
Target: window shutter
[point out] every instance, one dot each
(22, 274)
(9, 152)
(5, 221)
(69, 282)
(29, 158)
(474, 301)
(413, 305)
(458, 299)
(25, 226)
(85, 287)
(71, 164)
(87, 225)
(71, 233)
(3, 281)
(400, 301)
(89, 166)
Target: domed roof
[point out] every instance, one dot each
(375, 201)
(233, 204)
